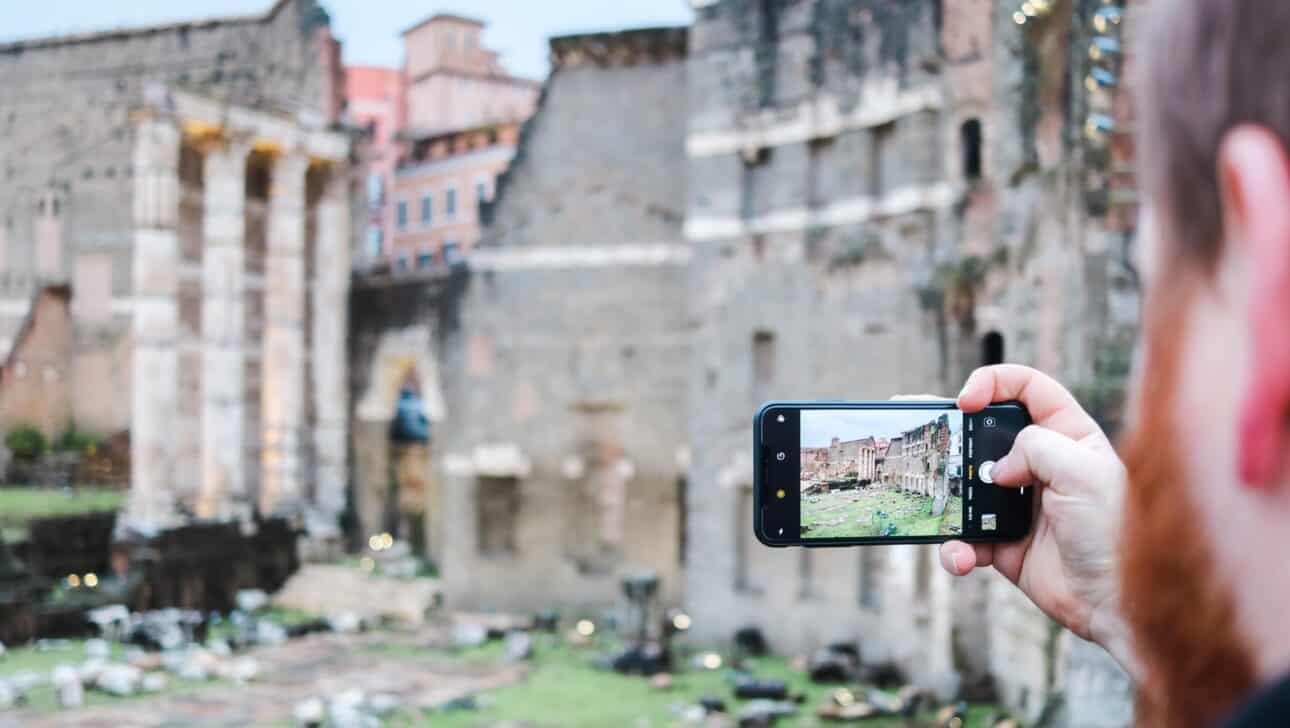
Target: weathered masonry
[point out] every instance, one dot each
(187, 184)
(253, 350)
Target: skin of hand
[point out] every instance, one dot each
(1068, 564)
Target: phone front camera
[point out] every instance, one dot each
(780, 456)
(780, 419)
(989, 422)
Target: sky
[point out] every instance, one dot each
(821, 426)
(370, 29)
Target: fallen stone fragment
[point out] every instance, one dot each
(90, 671)
(153, 682)
(751, 640)
(468, 634)
(885, 703)
(252, 600)
(661, 681)
(712, 703)
(269, 633)
(383, 703)
(519, 646)
(68, 690)
(832, 666)
(747, 688)
(309, 712)
(112, 621)
(854, 711)
(951, 716)
(120, 680)
(9, 696)
(345, 623)
(24, 680)
(97, 649)
(764, 713)
(240, 670)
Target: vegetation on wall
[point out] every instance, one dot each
(26, 442)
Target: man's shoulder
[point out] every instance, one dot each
(1270, 706)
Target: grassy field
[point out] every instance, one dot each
(563, 690)
(877, 511)
(21, 504)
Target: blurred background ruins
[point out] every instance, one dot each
(419, 392)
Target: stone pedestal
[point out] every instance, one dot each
(155, 277)
(223, 485)
(283, 359)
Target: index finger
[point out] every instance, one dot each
(1050, 404)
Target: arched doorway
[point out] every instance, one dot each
(394, 486)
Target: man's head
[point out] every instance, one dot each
(1206, 582)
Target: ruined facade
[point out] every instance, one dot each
(866, 196)
(563, 452)
(858, 189)
(184, 180)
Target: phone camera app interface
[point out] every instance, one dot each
(869, 473)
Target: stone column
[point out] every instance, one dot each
(283, 359)
(223, 485)
(330, 303)
(155, 277)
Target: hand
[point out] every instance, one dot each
(1067, 564)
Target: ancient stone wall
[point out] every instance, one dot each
(562, 445)
(816, 193)
(66, 141)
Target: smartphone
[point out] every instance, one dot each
(856, 473)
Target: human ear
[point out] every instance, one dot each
(1254, 182)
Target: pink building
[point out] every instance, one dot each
(439, 189)
(454, 83)
(443, 128)
(376, 102)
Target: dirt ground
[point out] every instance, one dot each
(317, 665)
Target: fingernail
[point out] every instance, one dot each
(961, 565)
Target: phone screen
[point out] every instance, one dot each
(866, 472)
(880, 473)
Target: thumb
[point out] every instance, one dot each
(1040, 455)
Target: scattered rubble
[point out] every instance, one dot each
(310, 712)
(712, 704)
(751, 688)
(98, 649)
(153, 682)
(833, 665)
(69, 691)
(751, 641)
(468, 634)
(764, 713)
(120, 680)
(519, 646)
(252, 600)
(9, 695)
(661, 681)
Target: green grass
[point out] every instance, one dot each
(18, 505)
(874, 511)
(565, 691)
